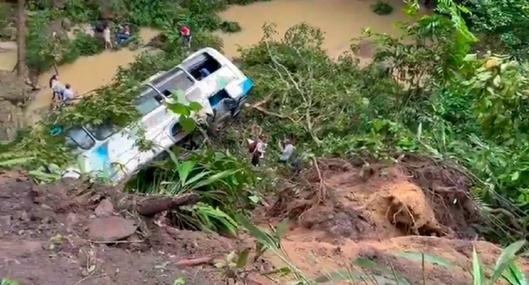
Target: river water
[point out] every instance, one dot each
(340, 20)
(86, 74)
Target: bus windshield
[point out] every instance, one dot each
(102, 131)
(173, 80)
(78, 137)
(148, 101)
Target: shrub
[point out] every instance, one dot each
(88, 45)
(230, 27)
(382, 8)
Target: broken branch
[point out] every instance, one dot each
(151, 206)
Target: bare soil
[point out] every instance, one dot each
(78, 233)
(44, 239)
(340, 213)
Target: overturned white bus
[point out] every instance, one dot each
(206, 77)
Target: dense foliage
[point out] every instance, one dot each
(423, 93)
(504, 23)
(382, 8)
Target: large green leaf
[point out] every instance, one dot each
(188, 124)
(195, 106)
(184, 169)
(477, 269)
(214, 178)
(506, 258)
(515, 276)
(243, 258)
(260, 235)
(179, 109)
(16, 161)
(196, 178)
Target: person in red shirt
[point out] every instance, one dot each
(185, 33)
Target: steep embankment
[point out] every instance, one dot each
(72, 233)
(384, 213)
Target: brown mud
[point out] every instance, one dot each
(339, 213)
(78, 233)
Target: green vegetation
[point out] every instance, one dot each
(5, 281)
(503, 23)
(222, 180)
(7, 21)
(230, 27)
(382, 8)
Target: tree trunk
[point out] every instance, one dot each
(21, 40)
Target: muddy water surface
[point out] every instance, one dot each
(86, 73)
(341, 20)
(8, 55)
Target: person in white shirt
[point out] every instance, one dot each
(56, 87)
(67, 95)
(106, 37)
(287, 149)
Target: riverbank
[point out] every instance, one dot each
(86, 74)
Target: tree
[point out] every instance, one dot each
(21, 39)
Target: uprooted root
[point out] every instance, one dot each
(409, 221)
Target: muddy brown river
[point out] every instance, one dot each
(340, 20)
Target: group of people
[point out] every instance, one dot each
(61, 93)
(124, 35)
(257, 149)
(121, 37)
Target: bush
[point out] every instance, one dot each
(83, 44)
(230, 27)
(382, 8)
(88, 45)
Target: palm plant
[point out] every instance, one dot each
(505, 267)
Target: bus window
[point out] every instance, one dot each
(201, 66)
(175, 79)
(148, 101)
(218, 97)
(78, 137)
(102, 131)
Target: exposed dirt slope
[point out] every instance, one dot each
(380, 212)
(52, 235)
(85, 234)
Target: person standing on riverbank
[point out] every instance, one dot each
(68, 95)
(185, 33)
(106, 37)
(56, 87)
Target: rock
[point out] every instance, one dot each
(8, 45)
(71, 220)
(66, 24)
(19, 248)
(59, 4)
(110, 228)
(12, 93)
(104, 209)
(5, 221)
(13, 88)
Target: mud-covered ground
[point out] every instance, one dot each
(73, 233)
